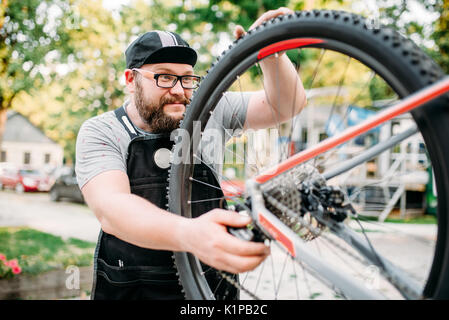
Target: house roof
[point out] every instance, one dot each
(19, 129)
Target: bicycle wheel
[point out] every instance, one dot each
(349, 71)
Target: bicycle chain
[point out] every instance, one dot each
(237, 285)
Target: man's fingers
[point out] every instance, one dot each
(245, 248)
(270, 15)
(233, 244)
(230, 218)
(239, 31)
(237, 264)
(223, 250)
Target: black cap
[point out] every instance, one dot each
(159, 47)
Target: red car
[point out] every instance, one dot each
(24, 179)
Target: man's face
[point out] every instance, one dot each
(161, 108)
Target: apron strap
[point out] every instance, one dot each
(123, 118)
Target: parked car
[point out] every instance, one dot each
(66, 187)
(24, 179)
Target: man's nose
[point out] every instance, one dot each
(177, 89)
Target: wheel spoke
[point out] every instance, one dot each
(282, 273)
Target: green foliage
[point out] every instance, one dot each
(441, 36)
(80, 243)
(431, 37)
(380, 90)
(426, 219)
(315, 295)
(223, 13)
(31, 38)
(37, 251)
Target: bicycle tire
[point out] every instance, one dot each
(404, 66)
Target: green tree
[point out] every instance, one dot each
(31, 37)
(208, 26)
(441, 35)
(433, 36)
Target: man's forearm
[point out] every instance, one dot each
(283, 86)
(139, 222)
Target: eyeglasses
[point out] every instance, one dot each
(166, 80)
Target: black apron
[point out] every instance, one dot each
(126, 271)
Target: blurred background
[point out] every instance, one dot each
(62, 62)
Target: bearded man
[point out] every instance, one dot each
(122, 173)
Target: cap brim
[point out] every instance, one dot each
(174, 54)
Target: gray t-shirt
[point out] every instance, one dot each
(102, 141)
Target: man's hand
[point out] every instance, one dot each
(239, 31)
(207, 238)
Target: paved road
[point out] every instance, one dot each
(36, 210)
(410, 246)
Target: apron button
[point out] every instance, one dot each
(162, 158)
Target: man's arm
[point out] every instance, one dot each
(139, 222)
(283, 96)
(125, 215)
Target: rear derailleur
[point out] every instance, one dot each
(324, 202)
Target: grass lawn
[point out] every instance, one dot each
(426, 219)
(38, 252)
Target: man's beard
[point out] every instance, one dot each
(152, 113)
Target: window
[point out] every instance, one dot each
(323, 136)
(409, 147)
(3, 156)
(371, 168)
(304, 135)
(26, 158)
(47, 158)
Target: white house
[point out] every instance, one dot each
(25, 144)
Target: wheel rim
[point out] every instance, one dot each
(389, 81)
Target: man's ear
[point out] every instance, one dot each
(129, 79)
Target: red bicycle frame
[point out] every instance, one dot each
(411, 102)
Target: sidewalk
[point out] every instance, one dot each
(35, 210)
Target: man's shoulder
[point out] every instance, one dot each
(105, 129)
(104, 118)
(105, 121)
